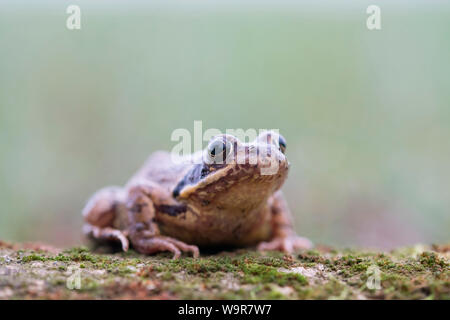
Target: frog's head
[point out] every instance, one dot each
(233, 175)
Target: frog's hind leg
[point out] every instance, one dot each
(106, 234)
(100, 214)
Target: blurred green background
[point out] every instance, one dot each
(366, 114)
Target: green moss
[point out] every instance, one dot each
(257, 273)
(332, 289)
(432, 261)
(276, 295)
(76, 250)
(168, 276)
(33, 257)
(89, 284)
(243, 274)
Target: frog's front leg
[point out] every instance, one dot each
(143, 232)
(284, 237)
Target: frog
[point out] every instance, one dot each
(227, 195)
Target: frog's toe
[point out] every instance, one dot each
(302, 243)
(286, 244)
(270, 245)
(185, 247)
(106, 234)
(162, 243)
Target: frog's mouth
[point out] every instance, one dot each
(205, 180)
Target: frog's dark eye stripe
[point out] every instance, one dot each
(193, 176)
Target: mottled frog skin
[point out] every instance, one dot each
(220, 197)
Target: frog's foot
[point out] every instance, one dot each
(106, 233)
(161, 243)
(286, 244)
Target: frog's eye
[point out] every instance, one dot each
(282, 143)
(219, 150)
(279, 141)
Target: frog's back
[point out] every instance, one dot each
(160, 169)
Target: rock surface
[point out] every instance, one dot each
(34, 271)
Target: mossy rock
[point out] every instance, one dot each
(33, 271)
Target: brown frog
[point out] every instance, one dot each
(220, 197)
